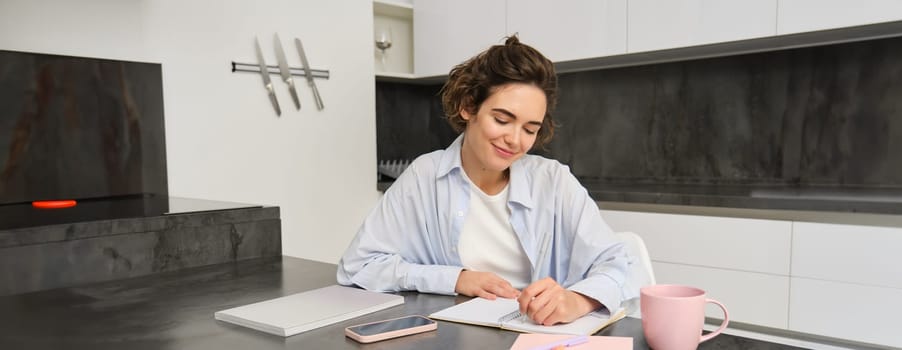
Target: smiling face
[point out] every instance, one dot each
(502, 130)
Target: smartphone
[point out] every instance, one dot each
(387, 329)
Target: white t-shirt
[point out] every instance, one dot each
(488, 242)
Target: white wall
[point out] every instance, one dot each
(223, 139)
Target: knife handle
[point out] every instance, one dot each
(294, 95)
(319, 100)
(274, 101)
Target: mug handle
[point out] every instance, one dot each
(726, 321)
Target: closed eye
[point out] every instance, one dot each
(503, 117)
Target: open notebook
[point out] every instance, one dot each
(302, 312)
(504, 313)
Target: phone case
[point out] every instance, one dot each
(388, 335)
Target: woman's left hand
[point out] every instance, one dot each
(547, 303)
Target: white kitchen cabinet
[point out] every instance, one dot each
(795, 16)
(842, 273)
(845, 310)
(741, 262)
(657, 25)
(755, 245)
(570, 30)
(446, 33)
(393, 22)
(867, 255)
(750, 297)
(810, 277)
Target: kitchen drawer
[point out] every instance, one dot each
(844, 310)
(754, 298)
(848, 253)
(753, 245)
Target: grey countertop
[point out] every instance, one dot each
(175, 311)
(830, 199)
(760, 197)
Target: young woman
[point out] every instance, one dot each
(484, 218)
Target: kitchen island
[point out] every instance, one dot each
(174, 310)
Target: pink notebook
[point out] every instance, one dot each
(532, 341)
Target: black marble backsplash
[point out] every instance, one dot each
(818, 117)
(409, 121)
(79, 128)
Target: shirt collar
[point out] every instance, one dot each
(519, 181)
(451, 157)
(519, 185)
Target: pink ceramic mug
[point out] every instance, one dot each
(672, 316)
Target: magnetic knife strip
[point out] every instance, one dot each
(274, 70)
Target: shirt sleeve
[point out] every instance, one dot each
(392, 250)
(598, 260)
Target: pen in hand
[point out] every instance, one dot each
(564, 343)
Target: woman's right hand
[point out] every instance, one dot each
(485, 285)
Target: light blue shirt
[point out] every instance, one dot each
(409, 241)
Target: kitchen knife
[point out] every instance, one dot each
(285, 71)
(265, 74)
(308, 73)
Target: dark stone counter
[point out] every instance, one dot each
(128, 238)
(831, 199)
(174, 310)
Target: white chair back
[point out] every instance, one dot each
(640, 272)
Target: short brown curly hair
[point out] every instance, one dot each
(472, 82)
